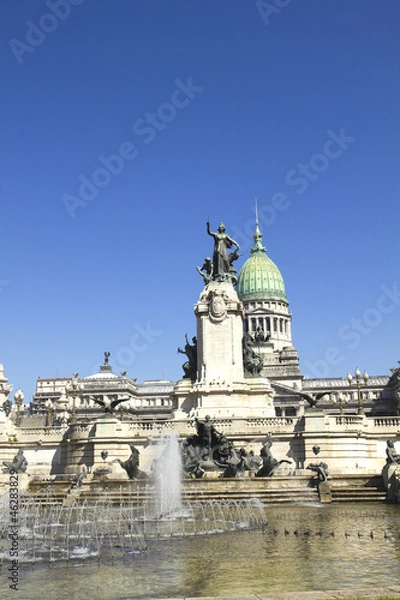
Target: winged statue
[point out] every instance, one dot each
(107, 404)
(312, 400)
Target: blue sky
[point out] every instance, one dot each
(127, 124)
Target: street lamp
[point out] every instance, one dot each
(358, 376)
(19, 398)
(342, 399)
(49, 409)
(74, 388)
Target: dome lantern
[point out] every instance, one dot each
(260, 278)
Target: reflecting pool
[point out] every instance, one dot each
(303, 547)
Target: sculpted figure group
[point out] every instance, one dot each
(220, 267)
(210, 450)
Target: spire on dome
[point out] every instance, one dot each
(257, 237)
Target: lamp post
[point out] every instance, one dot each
(74, 388)
(341, 400)
(49, 409)
(19, 398)
(364, 377)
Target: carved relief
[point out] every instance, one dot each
(218, 305)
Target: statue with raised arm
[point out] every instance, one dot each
(190, 366)
(222, 262)
(106, 357)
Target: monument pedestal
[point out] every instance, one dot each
(221, 389)
(391, 481)
(248, 398)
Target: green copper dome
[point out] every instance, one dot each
(260, 278)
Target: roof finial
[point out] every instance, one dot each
(256, 211)
(258, 247)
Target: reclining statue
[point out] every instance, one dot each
(17, 465)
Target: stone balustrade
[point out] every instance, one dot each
(388, 422)
(30, 433)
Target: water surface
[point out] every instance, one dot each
(304, 547)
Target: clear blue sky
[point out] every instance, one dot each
(210, 104)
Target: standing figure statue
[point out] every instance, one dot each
(222, 264)
(206, 433)
(190, 366)
(106, 357)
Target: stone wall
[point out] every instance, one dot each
(350, 444)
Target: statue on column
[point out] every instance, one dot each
(252, 362)
(222, 261)
(190, 366)
(207, 270)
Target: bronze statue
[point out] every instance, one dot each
(190, 366)
(205, 432)
(270, 464)
(106, 357)
(321, 469)
(312, 400)
(252, 362)
(222, 263)
(208, 269)
(131, 466)
(259, 336)
(17, 465)
(191, 459)
(7, 407)
(108, 405)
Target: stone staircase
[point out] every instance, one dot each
(273, 490)
(367, 489)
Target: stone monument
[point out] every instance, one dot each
(221, 385)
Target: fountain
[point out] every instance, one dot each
(101, 550)
(86, 527)
(167, 474)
